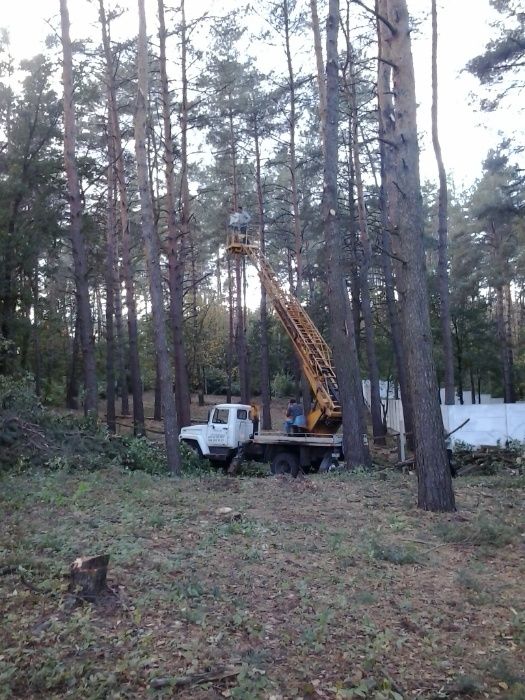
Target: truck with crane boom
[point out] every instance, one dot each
(229, 432)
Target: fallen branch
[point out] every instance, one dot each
(447, 435)
(195, 678)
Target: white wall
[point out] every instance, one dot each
(489, 423)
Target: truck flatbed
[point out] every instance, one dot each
(272, 437)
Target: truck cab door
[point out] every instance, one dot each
(218, 427)
(244, 425)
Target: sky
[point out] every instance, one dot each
(466, 134)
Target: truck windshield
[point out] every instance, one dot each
(220, 415)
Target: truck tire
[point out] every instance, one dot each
(328, 463)
(285, 463)
(194, 447)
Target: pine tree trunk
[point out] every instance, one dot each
(157, 405)
(78, 242)
(388, 196)
(434, 479)
(175, 247)
(240, 335)
(151, 246)
(318, 47)
(343, 339)
(127, 267)
(443, 283)
(505, 347)
(72, 376)
(121, 351)
(266, 423)
(111, 235)
(231, 334)
(365, 257)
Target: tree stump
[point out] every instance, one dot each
(88, 576)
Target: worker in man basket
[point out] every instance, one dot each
(244, 219)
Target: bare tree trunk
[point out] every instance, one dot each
(175, 249)
(443, 285)
(343, 339)
(318, 47)
(36, 332)
(77, 237)
(434, 479)
(111, 235)
(240, 336)
(266, 423)
(229, 356)
(388, 196)
(378, 428)
(72, 378)
(127, 268)
(151, 246)
(157, 406)
(297, 229)
(121, 352)
(505, 347)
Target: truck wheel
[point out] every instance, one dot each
(285, 463)
(328, 463)
(194, 447)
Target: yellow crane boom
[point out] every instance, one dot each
(314, 354)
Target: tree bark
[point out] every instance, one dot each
(443, 283)
(121, 351)
(434, 479)
(151, 245)
(72, 378)
(175, 247)
(266, 423)
(388, 196)
(364, 260)
(111, 235)
(127, 268)
(318, 48)
(78, 242)
(343, 339)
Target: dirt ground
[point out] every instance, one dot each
(333, 586)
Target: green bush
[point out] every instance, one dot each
(282, 385)
(139, 453)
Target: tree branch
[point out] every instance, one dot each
(377, 15)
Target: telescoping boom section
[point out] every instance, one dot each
(314, 353)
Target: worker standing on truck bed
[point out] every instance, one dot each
(294, 412)
(254, 417)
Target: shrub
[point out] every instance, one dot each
(282, 385)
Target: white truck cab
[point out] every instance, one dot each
(228, 426)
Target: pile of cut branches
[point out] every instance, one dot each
(487, 460)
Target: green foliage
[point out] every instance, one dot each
(483, 531)
(282, 385)
(394, 553)
(143, 454)
(192, 463)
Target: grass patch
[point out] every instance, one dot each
(484, 530)
(399, 554)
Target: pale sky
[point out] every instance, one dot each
(466, 134)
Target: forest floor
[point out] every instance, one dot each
(332, 586)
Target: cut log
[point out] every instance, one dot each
(88, 576)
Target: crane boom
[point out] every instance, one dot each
(313, 352)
